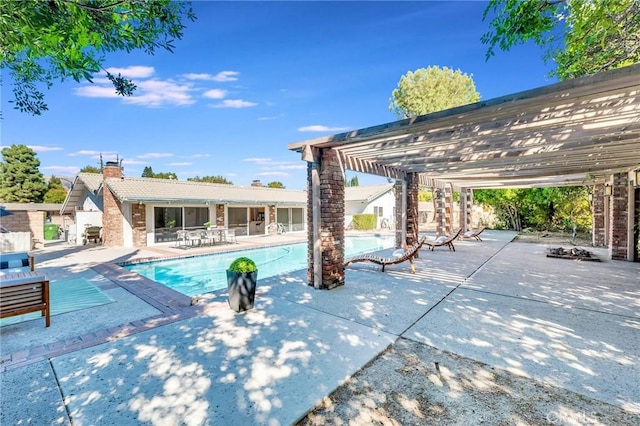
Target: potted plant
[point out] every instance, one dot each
(171, 223)
(207, 225)
(242, 276)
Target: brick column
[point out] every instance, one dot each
(139, 224)
(272, 220)
(440, 212)
(448, 208)
(220, 215)
(331, 220)
(112, 215)
(599, 238)
(619, 217)
(397, 191)
(413, 221)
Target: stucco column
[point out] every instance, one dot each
(619, 217)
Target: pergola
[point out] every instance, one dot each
(584, 131)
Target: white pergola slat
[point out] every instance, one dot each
(571, 133)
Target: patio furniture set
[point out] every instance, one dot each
(203, 237)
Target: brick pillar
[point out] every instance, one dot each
(272, 220)
(440, 213)
(448, 208)
(331, 220)
(619, 217)
(466, 209)
(413, 221)
(599, 238)
(220, 215)
(397, 191)
(139, 224)
(469, 222)
(112, 215)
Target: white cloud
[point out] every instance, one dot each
(215, 94)
(134, 71)
(273, 117)
(222, 76)
(234, 103)
(273, 174)
(63, 170)
(184, 163)
(257, 160)
(195, 156)
(155, 93)
(133, 162)
(321, 128)
(232, 175)
(293, 166)
(156, 155)
(40, 148)
(96, 91)
(226, 76)
(90, 153)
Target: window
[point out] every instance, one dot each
(377, 210)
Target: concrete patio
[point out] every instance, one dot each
(572, 325)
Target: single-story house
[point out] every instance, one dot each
(31, 219)
(376, 199)
(136, 211)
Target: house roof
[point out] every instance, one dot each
(92, 182)
(134, 189)
(166, 190)
(574, 132)
(366, 194)
(46, 207)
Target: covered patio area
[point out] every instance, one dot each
(584, 131)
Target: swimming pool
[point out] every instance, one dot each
(202, 274)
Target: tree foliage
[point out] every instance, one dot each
(56, 192)
(352, 182)
(581, 37)
(149, 173)
(90, 169)
(539, 208)
(432, 89)
(275, 184)
(45, 41)
(211, 179)
(20, 178)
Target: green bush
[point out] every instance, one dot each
(365, 222)
(243, 265)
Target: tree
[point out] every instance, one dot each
(90, 169)
(211, 179)
(45, 41)
(20, 178)
(56, 192)
(149, 173)
(275, 184)
(352, 182)
(432, 89)
(581, 37)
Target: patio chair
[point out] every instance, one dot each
(406, 256)
(473, 233)
(444, 241)
(25, 292)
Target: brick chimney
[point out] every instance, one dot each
(256, 183)
(112, 216)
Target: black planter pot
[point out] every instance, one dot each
(242, 290)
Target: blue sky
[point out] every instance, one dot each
(249, 78)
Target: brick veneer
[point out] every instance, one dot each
(448, 208)
(272, 219)
(331, 221)
(440, 213)
(413, 220)
(220, 215)
(139, 223)
(112, 215)
(599, 238)
(618, 217)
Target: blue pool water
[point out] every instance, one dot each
(202, 274)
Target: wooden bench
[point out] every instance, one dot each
(23, 293)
